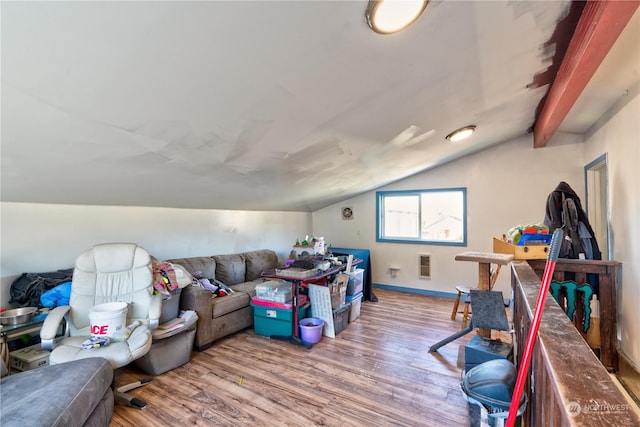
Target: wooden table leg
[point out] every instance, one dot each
(484, 284)
(4, 352)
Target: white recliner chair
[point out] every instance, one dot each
(107, 273)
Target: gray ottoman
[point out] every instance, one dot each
(70, 394)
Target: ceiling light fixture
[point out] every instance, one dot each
(391, 16)
(462, 133)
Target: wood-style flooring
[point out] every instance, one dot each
(377, 372)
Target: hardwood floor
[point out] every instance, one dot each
(377, 372)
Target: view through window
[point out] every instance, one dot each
(423, 216)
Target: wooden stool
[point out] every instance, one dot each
(463, 294)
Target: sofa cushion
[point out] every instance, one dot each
(229, 303)
(248, 287)
(230, 269)
(205, 265)
(67, 394)
(259, 261)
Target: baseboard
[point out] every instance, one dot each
(629, 376)
(203, 347)
(426, 292)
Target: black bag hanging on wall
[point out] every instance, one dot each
(564, 210)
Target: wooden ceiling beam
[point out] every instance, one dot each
(598, 29)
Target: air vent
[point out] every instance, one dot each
(425, 266)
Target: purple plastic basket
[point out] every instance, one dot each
(311, 329)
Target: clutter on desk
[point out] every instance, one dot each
(529, 241)
(531, 230)
(311, 257)
(313, 262)
(296, 273)
(310, 245)
(305, 266)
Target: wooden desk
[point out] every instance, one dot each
(486, 278)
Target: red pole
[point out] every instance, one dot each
(558, 234)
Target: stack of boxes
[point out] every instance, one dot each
(273, 308)
(354, 293)
(339, 305)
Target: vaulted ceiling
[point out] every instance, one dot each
(286, 105)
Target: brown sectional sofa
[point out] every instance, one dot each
(222, 316)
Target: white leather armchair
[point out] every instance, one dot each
(106, 273)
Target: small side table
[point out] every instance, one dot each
(14, 331)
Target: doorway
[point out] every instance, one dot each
(595, 176)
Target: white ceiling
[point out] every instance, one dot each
(266, 105)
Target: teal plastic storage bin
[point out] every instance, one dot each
(269, 321)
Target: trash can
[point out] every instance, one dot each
(489, 388)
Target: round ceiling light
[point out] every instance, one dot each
(391, 16)
(462, 133)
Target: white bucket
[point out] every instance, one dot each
(107, 319)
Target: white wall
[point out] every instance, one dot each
(506, 185)
(44, 237)
(618, 135)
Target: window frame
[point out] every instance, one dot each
(380, 196)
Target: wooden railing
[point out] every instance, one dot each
(605, 273)
(567, 385)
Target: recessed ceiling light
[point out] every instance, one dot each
(462, 133)
(391, 16)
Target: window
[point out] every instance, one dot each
(437, 217)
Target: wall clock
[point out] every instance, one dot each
(347, 212)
